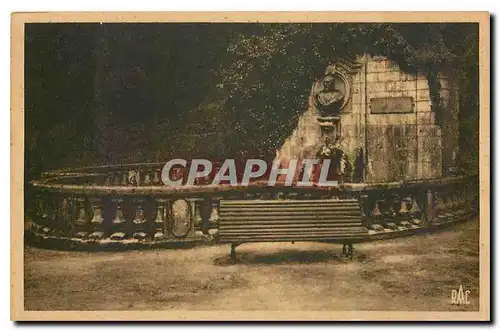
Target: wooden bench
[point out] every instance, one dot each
(243, 221)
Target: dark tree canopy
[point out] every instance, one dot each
(115, 93)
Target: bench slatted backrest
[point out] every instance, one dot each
(289, 220)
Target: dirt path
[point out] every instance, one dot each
(415, 273)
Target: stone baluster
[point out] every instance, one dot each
(250, 196)
(160, 231)
(454, 202)
(404, 216)
(156, 176)
(214, 215)
(82, 220)
(147, 178)
(467, 198)
(42, 211)
(119, 224)
(124, 178)
(140, 221)
(195, 206)
(449, 204)
(38, 211)
(45, 214)
(205, 212)
(116, 178)
(64, 215)
(460, 202)
(198, 181)
(429, 209)
(366, 220)
(138, 179)
(448, 201)
(474, 197)
(108, 179)
(415, 211)
(96, 223)
(376, 216)
(389, 215)
(52, 215)
(180, 218)
(440, 206)
(464, 207)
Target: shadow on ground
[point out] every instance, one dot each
(288, 257)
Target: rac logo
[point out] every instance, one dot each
(460, 296)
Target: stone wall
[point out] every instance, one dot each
(390, 117)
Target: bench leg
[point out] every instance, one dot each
(348, 251)
(233, 252)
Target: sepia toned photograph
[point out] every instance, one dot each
(250, 166)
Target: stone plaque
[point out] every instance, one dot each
(391, 105)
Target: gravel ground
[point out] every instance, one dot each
(414, 273)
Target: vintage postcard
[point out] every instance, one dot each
(250, 166)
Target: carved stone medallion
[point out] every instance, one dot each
(332, 92)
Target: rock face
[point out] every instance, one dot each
(384, 119)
